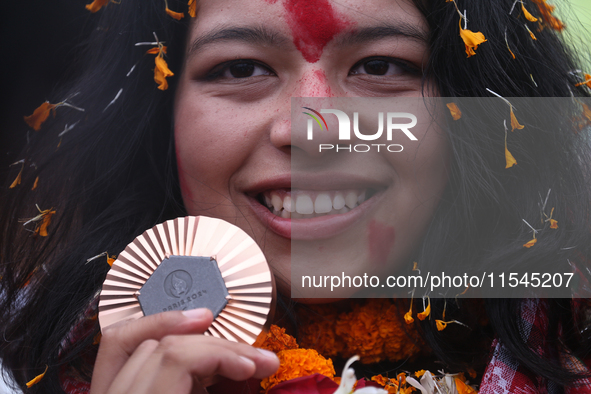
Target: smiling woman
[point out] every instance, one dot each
(213, 136)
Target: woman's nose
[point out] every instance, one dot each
(302, 126)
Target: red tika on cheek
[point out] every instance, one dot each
(313, 24)
(380, 241)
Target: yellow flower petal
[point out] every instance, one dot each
(161, 72)
(553, 224)
(111, 260)
(440, 325)
(192, 7)
(454, 110)
(424, 314)
(96, 5)
(35, 183)
(37, 378)
(46, 221)
(18, 179)
(530, 243)
(527, 15)
(514, 123)
(509, 159)
(463, 388)
(408, 317)
(176, 15)
(40, 115)
(587, 81)
(471, 39)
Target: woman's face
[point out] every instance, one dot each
(245, 60)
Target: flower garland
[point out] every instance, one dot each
(373, 330)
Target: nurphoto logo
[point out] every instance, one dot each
(345, 130)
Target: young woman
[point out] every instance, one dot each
(214, 139)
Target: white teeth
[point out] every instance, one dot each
(361, 198)
(304, 204)
(287, 204)
(351, 200)
(277, 202)
(339, 201)
(323, 204)
(310, 204)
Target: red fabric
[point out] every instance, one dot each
(313, 384)
(504, 375)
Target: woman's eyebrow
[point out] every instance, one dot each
(253, 35)
(364, 35)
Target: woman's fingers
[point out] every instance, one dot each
(119, 342)
(134, 366)
(180, 361)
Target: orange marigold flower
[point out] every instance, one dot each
(176, 15)
(295, 363)
(527, 15)
(530, 243)
(587, 81)
(320, 335)
(96, 5)
(463, 388)
(192, 7)
(40, 115)
(471, 39)
(424, 314)
(420, 373)
(454, 110)
(277, 340)
(37, 378)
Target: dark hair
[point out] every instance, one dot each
(113, 176)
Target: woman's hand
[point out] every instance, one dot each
(167, 353)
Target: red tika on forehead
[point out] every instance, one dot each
(313, 24)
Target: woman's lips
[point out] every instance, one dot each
(320, 227)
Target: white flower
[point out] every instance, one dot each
(348, 381)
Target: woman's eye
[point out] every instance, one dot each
(381, 67)
(244, 69)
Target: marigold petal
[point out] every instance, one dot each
(408, 317)
(111, 260)
(46, 221)
(527, 15)
(161, 71)
(530, 243)
(40, 115)
(471, 39)
(37, 378)
(424, 314)
(18, 178)
(440, 325)
(96, 5)
(463, 388)
(192, 8)
(509, 159)
(553, 224)
(514, 123)
(454, 110)
(176, 15)
(35, 183)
